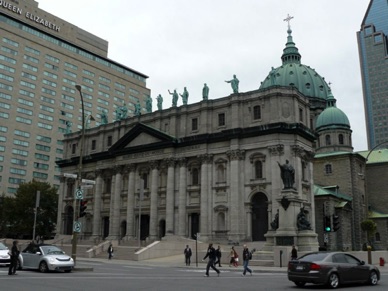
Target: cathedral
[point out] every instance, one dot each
(266, 165)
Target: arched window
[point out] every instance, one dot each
(328, 140)
(258, 169)
(221, 221)
(341, 138)
(377, 235)
(144, 176)
(195, 176)
(304, 167)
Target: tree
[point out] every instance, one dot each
(21, 207)
(370, 227)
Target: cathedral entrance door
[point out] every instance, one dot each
(259, 216)
(194, 224)
(105, 222)
(144, 227)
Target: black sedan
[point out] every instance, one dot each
(331, 268)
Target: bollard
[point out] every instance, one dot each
(281, 254)
(382, 262)
(369, 249)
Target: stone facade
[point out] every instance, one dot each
(209, 168)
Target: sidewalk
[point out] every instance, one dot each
(178, 262)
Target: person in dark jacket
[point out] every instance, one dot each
(187, 252)
(110, 251)
(294, 253)
(246, 258)
(218, 256)
(211, 253)
(14, 254)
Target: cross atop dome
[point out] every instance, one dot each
(288, 19)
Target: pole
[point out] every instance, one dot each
(75, 204)
(35, 213)
(196, 250)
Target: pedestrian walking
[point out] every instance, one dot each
(110, 251)
(294, 253)
(14, 254)
(211, 254)
(187, 252)
(247, 256)
(233, 258)
(218, 257)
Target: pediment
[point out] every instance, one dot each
(142, 137)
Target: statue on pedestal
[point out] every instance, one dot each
(205, 92)
(174, 97)
(287, 173)
(234, 83)
(160, 102)
(301, 220)
(185, 96)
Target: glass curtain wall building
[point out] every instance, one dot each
(42, 58)
(372, 45)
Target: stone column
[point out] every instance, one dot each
(237, 197)
(205, 207)
(116, 203)
(96, 232)
(61, 197)
(170, 193)
(182, 213)
(131, 202)
(154, 200)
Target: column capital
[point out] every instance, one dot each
(154, 165)
(98, 172)
(236, 154)
(117, 169)
(276, 150)
(170, 162)
(182, 162)
(205, 158)
(129, 168)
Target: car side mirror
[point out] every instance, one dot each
(362, 263)
(38, 253)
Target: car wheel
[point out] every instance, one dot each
(299, 283)
(333, 280)
(373, 278)
(43, 267)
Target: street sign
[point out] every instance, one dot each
(88, 181)
(77, 226)
(79, 194)
(88, 186)
(68, 175)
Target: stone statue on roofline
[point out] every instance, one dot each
(159, 100)
(234, 83)
(174, 97)
(185, 96)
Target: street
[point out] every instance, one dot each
(113, 276)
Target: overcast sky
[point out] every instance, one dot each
(180, 43)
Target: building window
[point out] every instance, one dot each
(144, 176)
(108, 185)
(378, 236)
(109, 142)
(73, 148)
(195, 176)
(341, 139)
(194, 124)
(221, 119)
(300, 114)
(258, 170)
(304, 168)
(94, 144)
(257, 112)
(328, 140)
(328, 169)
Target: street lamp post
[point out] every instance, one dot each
(79, 178)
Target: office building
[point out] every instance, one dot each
(372, 45)
(42, 58)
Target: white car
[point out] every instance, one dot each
(5, 259)
(45, 258)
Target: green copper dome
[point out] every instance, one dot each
(293, 73)
(332, 116)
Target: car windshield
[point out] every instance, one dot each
(313, 257)
(50, 250)
(3, 247)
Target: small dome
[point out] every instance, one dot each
(332, 116)
(293, 73)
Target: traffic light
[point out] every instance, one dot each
(336, 222)
(82, 208)
(327, 223)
